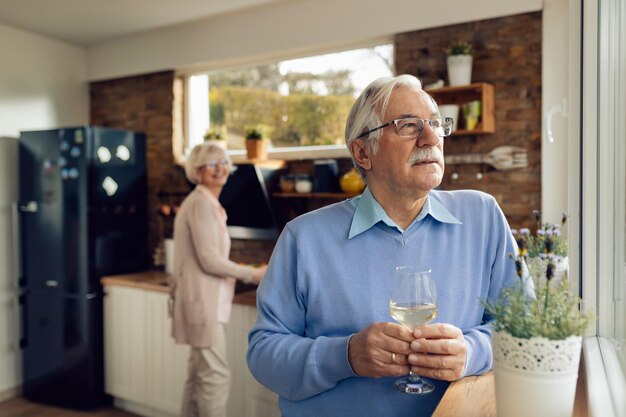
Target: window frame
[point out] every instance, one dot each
(284, 153)
(598, 164)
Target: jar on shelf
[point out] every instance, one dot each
(304, 183)
(351, 182)
(287, 183)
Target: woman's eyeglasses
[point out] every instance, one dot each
(213, 164)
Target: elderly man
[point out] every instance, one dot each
(324, 340)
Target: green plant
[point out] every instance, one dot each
(459, 48)
(548, 239)
(554, 313)
(257, 132)
(214, 134)
(295, 121)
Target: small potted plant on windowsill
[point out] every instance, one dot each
(216, 136)
(257, 142)
(537, 340)
(459, 63)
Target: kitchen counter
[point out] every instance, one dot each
(160, 281)
(475, 396)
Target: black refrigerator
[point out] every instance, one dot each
(83, 215)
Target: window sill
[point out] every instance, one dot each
(606, 383)
(295, 153)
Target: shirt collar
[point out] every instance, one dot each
(369, 212)
(207, 193)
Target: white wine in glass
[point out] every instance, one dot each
(413, 303)
(411, 315)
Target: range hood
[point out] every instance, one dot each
(246, 201)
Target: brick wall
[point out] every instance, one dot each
(507, 54)
(145, 104)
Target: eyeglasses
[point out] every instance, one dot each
(213, 164)
(412, 127)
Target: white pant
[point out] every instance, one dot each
(208, 380)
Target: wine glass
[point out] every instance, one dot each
(413, 303)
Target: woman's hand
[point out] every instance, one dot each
(258, 273)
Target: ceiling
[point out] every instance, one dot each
(87, 22)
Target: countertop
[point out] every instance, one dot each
(160, 281)
(475, 396)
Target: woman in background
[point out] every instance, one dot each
(204, 282)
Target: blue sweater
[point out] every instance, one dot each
(322, 286)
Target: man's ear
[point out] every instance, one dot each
(361, 154)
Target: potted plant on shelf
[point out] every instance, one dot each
(459, 63)
(257, 142)
(537, 340)
(216, 136)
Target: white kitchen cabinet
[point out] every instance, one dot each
(125, 344)
(247, 397)
(167, 361)
(146, 370)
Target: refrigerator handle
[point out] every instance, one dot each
(17, 334)
(30, 207)
(16, 266)
(23, 340)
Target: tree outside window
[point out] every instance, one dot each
(303, 101)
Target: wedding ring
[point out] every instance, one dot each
(393, 357)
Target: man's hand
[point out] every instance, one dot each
(439, 352)
(380, 350)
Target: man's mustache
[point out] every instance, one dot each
(426, 154)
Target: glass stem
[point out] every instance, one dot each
(414, 377)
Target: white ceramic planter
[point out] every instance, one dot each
(459, 69)
(535, 377)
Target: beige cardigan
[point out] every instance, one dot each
(201, 269)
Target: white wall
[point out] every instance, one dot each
(284, 29)
(555, 84)
(42, 83)
(10, 369)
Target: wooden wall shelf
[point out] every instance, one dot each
(466, 93)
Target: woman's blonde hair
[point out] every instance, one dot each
(200, 155)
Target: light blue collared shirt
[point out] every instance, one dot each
(369, 212)
(321, 287)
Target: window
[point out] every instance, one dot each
(603, 200)
(610, 163)
(299, 102)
